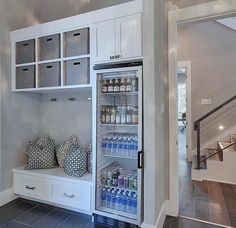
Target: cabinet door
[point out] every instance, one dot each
(104, 33)
(128, 37)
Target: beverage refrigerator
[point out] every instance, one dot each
(119, 142)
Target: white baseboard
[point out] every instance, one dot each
(7, 196)
(160, 219)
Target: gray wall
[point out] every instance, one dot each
(20, 113)
(211, 48)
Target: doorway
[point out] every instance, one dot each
(212, 10)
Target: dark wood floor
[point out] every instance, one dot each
(207, 201)
(179, 222)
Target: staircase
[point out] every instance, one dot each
(216, 162)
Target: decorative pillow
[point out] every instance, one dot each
(44, 140)
(63, 149)
(40, 157)
(89, 151)
(76, 162)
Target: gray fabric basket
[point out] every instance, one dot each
(25, 51)
(77, 42)
(49, 47)
(25, 77)
(49, 74)
(77, 72)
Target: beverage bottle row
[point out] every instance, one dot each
(119, 115)
(117, 178)
(119, 85)
(119, 200)
(120, 145)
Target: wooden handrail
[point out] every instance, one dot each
(217, 152)
(213, 111)
(197, 128)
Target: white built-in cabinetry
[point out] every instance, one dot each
(118, 39)
(46, 54)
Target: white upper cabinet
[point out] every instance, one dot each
(104, 37)
(128, 37)
(118, 39)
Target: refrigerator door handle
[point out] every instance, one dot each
(140, 159)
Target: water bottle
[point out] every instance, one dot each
(129, 203)
(114, 145)
(103, 197)
(118, 201)
(109, 145)
(124, 202)
(108, 198)
(130, 146)
(135, 153)
(113, 199)
(135, 204)
(125, 146)
(120, 146)
(104, 145)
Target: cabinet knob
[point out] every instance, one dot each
(117, 56)
(112, 57)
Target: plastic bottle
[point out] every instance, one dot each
(129, 203)
(113, 199)
(124, 202)
(108, 198)
(109, 145)
(119, 146)
(103, 197)
(118, 201)
(104, 145)
(135, 204)
(125, 146)
(114, 145)
(130, 146)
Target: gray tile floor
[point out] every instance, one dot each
(22, 213)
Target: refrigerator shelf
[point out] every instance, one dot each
(120, 125)
(115, 187)
(120, 94)
(117, 156)
(120, 213)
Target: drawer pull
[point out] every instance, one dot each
(25, 69)
(76, 34)
(69, 196)
(29, 187)
(48, 67)
(25, 44)
(49, 39)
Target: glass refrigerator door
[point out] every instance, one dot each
(119, 142)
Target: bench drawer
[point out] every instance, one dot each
(73, 195)
(31, 186)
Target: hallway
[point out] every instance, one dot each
(208, 201)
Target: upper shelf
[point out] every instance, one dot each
(74, 88)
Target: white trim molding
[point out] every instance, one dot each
(7, 196)
(160, 219)
(212, 10)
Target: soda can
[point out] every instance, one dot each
(131, 183)
(135, 184)
(126, 183)
(104, 177)
(120, 181)
(109, 178)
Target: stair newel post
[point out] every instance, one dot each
(197, 128)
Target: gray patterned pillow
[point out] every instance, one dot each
(89, 151)
(63, 149)
(40, 157)
(76, 162)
